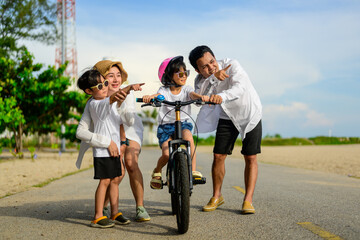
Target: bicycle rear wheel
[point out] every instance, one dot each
(182, 192)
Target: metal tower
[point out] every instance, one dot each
(66, 44)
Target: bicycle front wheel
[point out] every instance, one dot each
(182, 192)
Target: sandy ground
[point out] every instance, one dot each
(339, 159)
(19, 175)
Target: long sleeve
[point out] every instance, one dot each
(84, 133)
(236, 83)
(127, 110)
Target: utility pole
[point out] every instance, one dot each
(66, 45)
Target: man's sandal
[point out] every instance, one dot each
(156, 181)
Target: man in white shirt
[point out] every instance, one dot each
(239, 111)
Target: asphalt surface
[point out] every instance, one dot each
(290, 204)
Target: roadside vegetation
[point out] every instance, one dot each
(277, 140)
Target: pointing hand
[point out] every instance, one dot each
(221, 75)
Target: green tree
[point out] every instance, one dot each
(26, 20)
(35, 102)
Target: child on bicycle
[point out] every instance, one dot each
(173, 75)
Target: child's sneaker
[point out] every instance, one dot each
(120, 219)
(141, 214)
(102, 222)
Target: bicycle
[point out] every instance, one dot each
(179, 172)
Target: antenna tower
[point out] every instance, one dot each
(66, 43)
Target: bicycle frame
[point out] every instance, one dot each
(174, 147)
(179, 166)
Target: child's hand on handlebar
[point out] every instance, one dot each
(147, 98)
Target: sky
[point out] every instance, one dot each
(302, 56)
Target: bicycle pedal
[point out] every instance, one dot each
(199, 180)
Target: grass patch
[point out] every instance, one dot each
(65, 175)
(48, 181)
(355, 177)
(286, 142)
(277, 140)
(321, 140)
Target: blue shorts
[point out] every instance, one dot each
(165, 131)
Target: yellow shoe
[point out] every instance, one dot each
(247, 208)
(213, 204)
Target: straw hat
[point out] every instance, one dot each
(104, 67)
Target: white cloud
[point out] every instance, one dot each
(296, 116)
(288, 50)
(314, 118)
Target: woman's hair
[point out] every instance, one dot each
(173, 67)
(89, 79)
(197, 53)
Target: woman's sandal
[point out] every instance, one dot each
(156, 181)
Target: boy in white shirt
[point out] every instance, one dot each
(107, 122)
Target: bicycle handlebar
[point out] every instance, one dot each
(156, 102)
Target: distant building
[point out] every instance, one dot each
(150, 130)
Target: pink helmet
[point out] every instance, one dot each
(163, 66)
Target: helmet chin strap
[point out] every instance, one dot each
(173, 84)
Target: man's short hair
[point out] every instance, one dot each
(197, 53)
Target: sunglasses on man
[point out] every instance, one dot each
(101, 85)
(182, 74)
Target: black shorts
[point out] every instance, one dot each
(107, 167)
(227, 133)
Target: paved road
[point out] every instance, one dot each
(290, 203)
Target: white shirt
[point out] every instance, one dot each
(107, 122)
(85, 130)
(132, 122)
(164, 115)
(241, 102)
